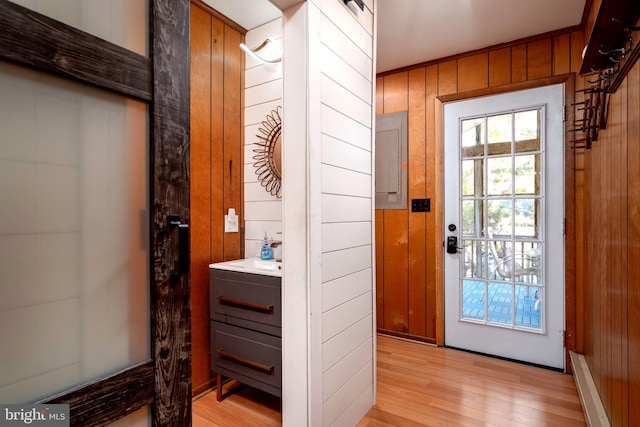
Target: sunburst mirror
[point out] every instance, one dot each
(268, 154)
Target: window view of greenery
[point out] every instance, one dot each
(497, 172)
(527, 125)
(499, 128)
(501, 189)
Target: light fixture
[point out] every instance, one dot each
(360, 3)
(254, 52)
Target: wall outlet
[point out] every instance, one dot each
(231, 222)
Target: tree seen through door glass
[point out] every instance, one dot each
(469, 226)
(499, 217)
(499, 128)
(470, 178)
(527, 175)
(527, 131)
(526, 212)
(527, 125)
(499, 181)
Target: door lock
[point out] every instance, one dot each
(452, 245)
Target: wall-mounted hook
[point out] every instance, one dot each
(613, 70)
(620, 51)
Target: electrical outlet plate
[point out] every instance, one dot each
(420, 205)
(231, 222)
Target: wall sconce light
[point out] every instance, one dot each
(254, 52)
(360, 3)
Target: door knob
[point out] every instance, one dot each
(452, 245)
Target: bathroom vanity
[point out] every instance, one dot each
(246, 323)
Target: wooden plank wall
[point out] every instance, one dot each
(409, 245)
(612, 292)
(611, 249)
(612, 339)
(217, 67)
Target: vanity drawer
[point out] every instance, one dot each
(247, 300)
(250, 357)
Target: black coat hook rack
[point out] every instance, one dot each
(614, 42)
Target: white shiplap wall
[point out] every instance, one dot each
(346, 81)
(331, 213)
(263, 93)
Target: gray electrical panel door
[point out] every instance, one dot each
(391, 161)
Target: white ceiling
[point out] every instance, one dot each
(415, 31)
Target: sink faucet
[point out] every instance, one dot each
(276, 246)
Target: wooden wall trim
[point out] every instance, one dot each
(529, 84)
(93, 404)
(570, 232)
(410, 337)
(54, 47)
(439, 213)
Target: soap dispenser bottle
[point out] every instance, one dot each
(265, 252)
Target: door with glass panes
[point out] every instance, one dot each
(504, 271)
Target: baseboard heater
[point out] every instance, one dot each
(592, 406)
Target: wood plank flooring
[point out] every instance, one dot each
(422, 385)
(245, 407)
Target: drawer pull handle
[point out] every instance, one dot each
(246, 362)
(245, 304)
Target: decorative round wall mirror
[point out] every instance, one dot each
(268, 155)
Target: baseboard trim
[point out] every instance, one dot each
(202, 389)
(592, 406)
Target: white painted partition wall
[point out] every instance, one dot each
(328, 282)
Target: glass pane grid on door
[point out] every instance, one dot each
(501, 216)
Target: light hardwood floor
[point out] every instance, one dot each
(422, 385)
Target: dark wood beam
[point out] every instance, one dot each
(34, 40)
(106, 400)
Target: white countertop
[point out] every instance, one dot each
(251, 265)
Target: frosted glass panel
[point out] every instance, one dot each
(73, 233)
(122, 22)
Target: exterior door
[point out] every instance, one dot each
(504, 247)
(94, 177)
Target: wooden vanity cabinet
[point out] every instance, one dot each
(246, 329)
